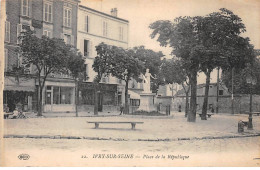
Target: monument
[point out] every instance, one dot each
(146, 96)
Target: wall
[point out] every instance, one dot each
(95, 36)
(241, 103)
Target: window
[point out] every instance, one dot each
(86, 26)
(47, 33)
(67, 39)
(19, 60)
(7, 31)
(6, 59)
(67, 17)
(47, 16)
(86, 48)
(25, 8)
(86, 72)
(62, 95)
(65, 95)
(221, 92)
(121, 33)
(104, 28)
(22, 28)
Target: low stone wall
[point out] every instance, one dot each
(241, 103)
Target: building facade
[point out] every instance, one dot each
(53, 18)
(95, 27)
(80, 26)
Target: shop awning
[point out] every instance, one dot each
(133, 95)
(19, 88)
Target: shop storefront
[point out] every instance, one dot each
(19, 93)
(59, 96)
(107, 97)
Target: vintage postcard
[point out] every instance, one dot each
(140, 83)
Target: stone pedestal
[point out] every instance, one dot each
(146, 102)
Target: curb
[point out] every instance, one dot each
(121, 139)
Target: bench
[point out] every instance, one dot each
(208, 114)
(99, 122)
(254, 113)
(6, 115)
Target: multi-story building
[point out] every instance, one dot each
(78, 25)
(53, 18)
(95, 27)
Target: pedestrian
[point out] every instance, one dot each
(212, 110)
(15, 113)
(179, 108)
(121, 109)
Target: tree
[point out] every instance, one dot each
(173, 72)
(102, 66)
(46, 55)
(152, 61)
(77, 69)
(181, 36)
(204, 43)
(218, 33)
(126, 67)
(240, 83)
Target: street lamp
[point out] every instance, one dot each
(250, 80)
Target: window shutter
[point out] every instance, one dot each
(72, 40)
(29, 7)
(88, 23)
(90, 48)
(82, 46)
(6, 59)
(19, 30)
(7, 31)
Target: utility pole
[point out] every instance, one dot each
(217, 91)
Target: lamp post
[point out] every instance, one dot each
(250, 80)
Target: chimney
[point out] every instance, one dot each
(114, 12)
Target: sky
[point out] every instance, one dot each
(141, 13)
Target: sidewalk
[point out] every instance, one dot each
(155, 128)
(64, 114)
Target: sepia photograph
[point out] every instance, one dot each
(130, 83)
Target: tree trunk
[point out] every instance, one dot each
(126, 110)
(40, 101)
(76, 97)
(193, 98)
(217, 91)
(95, 99)
(205, 102)
(187, 104)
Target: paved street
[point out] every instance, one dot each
(53, 152)
(186, 144)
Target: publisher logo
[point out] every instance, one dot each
(24, 156)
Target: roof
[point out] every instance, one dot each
(199, 86)
(102, 13)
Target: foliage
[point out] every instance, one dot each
(181, 36)
(47, 55)
(102, 63)
(75, 65)
(204, 43)
(125, 66)
(240, 75)
(152, 61)
(121, 63)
